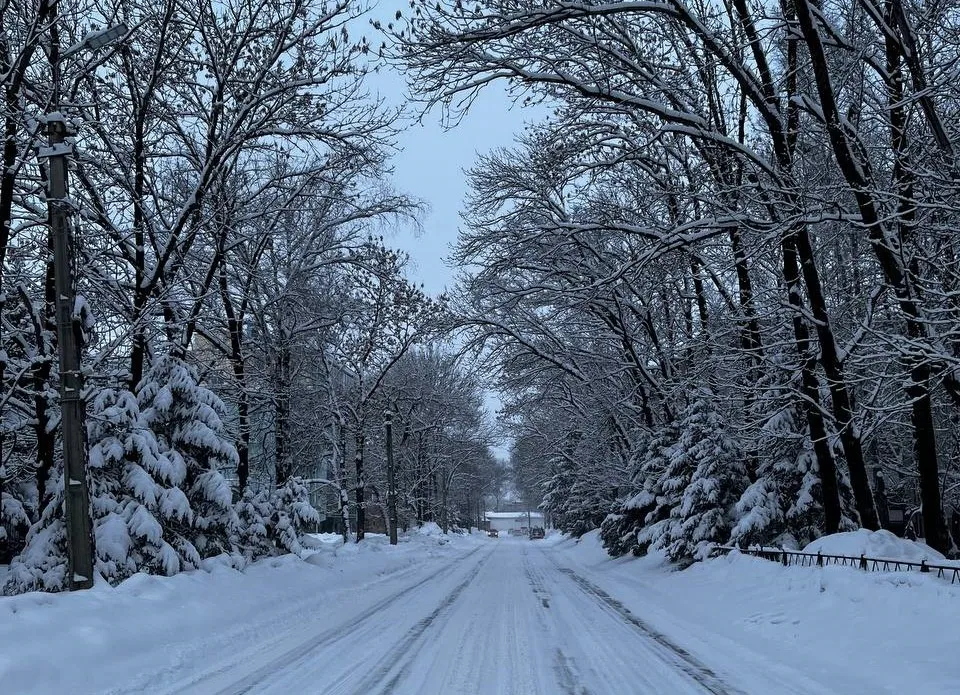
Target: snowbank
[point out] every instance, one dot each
(430, 528)
(852, 631)
(875, 544)
(149, 630)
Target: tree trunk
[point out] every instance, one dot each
(391, 514)
(810, 390)
(358, 490)
(343, 495)
(925, 454)
(281, 443)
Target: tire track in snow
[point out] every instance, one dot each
(291, 658)
(563, 664)
(670, 650)
(565, 677)
(406, 649)
(536, 582)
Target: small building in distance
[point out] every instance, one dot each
(504, 522)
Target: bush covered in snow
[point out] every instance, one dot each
(878, 544)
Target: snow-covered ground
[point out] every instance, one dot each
(477, 615)
(842, 629)
(148, 633)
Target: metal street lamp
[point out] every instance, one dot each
(76, 494)
(98, 39)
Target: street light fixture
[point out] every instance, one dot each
(98, 39)
(76, 494)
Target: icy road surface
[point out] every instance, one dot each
(506, 617)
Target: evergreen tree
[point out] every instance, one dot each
(13, 516)
(784, 506)
(42, 564)
(252, 536)
(292, 516)
(133, 490)
(186, 419)
(620, 531)
(272, 523)
(717, 477)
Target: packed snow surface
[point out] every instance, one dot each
(471, 614)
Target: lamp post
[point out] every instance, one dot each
(76, 494)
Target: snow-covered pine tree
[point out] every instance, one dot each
(185, 417)
(293, 515)
(254, 514)
(663, 483)
(556, 498)
(784, 506)
(13, 516)
(134, 491)
(619, 529)
(42, 564)
(761, 510)
(273, 522)
(708, 454)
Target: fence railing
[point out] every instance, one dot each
(868, 564)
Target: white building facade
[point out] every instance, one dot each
(517, 521)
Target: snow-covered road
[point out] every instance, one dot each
(441, 615)
(506, 617)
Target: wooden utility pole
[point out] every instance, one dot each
(76, 495)
(391, 479)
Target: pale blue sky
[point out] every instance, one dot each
(432, 159)
(431, 167)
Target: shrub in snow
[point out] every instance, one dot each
(878, 544)
(429, 528)
(185, 417)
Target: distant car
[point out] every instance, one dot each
(536, 533)
(493, 533)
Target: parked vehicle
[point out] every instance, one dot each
(493, 533)
(536, 533)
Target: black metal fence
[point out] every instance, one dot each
(868, 564)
